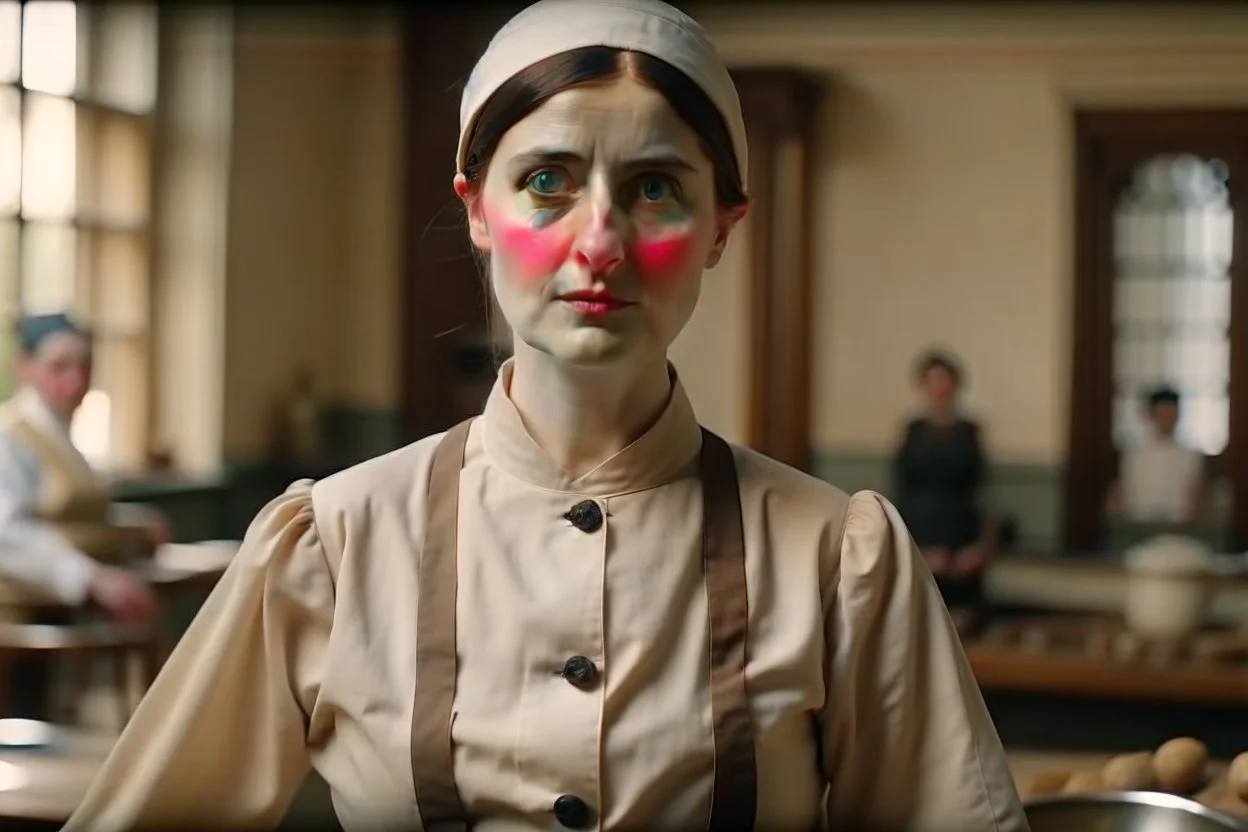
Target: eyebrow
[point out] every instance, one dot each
(665, 158)
(538, 157)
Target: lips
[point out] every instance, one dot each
(594, 304)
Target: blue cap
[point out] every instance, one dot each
(32, 330)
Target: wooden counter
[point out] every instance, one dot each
(1009, 669)
(1027, 763)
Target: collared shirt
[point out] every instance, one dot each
(862, 699)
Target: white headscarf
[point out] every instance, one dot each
(552, 27)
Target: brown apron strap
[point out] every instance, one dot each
(733, 802)
(437, 797)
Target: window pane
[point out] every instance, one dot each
(121, 373)
(49, 164)
(117, 294)
(112, 173)
(50, 46)
(49, 268)
(10, 40)
(1194, 302)
(123, 55)
(91, 429)
(10, 150)
(8, 299)
(1173, 230)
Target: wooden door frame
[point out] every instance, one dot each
(780, 107)
(1106, 143)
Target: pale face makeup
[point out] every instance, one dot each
(598, 214)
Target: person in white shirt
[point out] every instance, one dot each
(61, 538)
(1160, 480)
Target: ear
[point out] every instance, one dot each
(727, 221)
(470, 195)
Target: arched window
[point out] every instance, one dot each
(1173, 229)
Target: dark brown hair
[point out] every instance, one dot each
(527, 89)
(1161, 396)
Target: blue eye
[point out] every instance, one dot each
(546, 182)
(656, 189)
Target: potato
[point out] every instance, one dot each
(1084, 781)
(1237, 776)
(1044, 783)
(1180, 765)
(1130, 772)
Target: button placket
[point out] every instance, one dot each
(571, 811)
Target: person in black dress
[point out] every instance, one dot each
(938, 472)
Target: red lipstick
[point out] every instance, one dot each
(594, 304)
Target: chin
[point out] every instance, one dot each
(590, 347)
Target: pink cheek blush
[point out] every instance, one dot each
(657, 259)
(539, 252)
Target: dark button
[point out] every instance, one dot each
(580, 671)
(572, 812)
(586, 516)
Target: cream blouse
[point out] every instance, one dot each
(862, 700)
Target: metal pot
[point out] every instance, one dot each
(1127, 812)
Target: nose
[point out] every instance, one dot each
(599, 246)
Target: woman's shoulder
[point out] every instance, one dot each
(784, 489)
(390, 477)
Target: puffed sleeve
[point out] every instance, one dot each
(219, 741)
(907, 739)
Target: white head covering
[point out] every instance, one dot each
(552, 27)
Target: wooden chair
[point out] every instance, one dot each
(131, 652)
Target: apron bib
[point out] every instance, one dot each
(723, 556)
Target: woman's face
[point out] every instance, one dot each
(598, 215)
(940, 388)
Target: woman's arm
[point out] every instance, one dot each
(219, 740)
(908, 742)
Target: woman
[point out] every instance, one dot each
(525, 623)
(938, 472)
(58, 529)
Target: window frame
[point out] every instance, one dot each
(1108, 146)
(129, 440)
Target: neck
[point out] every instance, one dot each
(941, 415)
(582, 417)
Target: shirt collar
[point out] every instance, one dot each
(659, 456)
